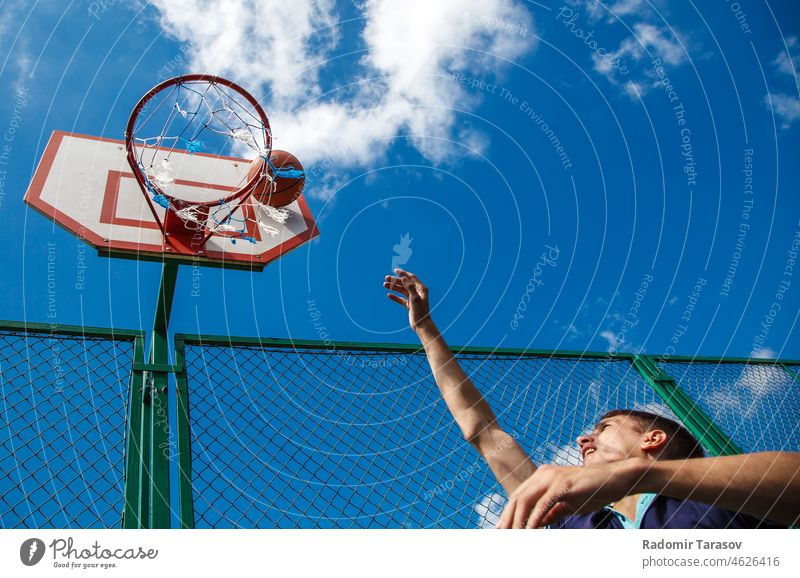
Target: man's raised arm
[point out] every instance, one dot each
(509, 462)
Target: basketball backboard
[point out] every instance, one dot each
(85, 184)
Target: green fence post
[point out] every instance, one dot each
(160, 443)
(131, 517)
(145, 471)
(184, 438)
(789, 371)
(693, 417)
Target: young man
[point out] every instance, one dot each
(639, 470)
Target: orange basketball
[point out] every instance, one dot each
(286, 187)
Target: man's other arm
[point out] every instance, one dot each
(765, 485)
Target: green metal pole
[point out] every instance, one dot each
(161, 450)
(791, 373)
(184, 439)
(131, 517)
(145, 469)
(693, 417)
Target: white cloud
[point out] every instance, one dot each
(489, 509)
(637, 52)
(634, 89)
(765, 353)
(263, 42)
(625, 7)
(786, 106)
(11, 20)
(763, 379)
(402, 85)
(615, 344)
(571, 332)
(789, 63)
(611, 11)
(610, 338)
(722, 403)
(725, 398)
(660, 43)
(656, 408)
(17, 46)
(568, 454)
(648, 42)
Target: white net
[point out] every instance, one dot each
(205, 118)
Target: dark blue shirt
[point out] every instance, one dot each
(664, 512)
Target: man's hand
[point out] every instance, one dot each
(415, 298)
(554, 492)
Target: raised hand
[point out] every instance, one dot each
(413, 296)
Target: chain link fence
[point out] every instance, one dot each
(294, 437)
(63, 408)
(275, 434)
(757, 405)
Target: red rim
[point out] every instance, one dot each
(240, 194)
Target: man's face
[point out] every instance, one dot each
(613, 439)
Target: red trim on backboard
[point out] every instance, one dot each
(108, 214)
(33, 194)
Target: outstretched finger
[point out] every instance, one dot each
(398, 299)
(395, 284)
(407, 275)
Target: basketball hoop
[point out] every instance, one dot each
(209, 116)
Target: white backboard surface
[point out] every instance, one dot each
(85, 184)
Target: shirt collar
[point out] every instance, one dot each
(641, 507)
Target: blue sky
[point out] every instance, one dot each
(555, 196)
